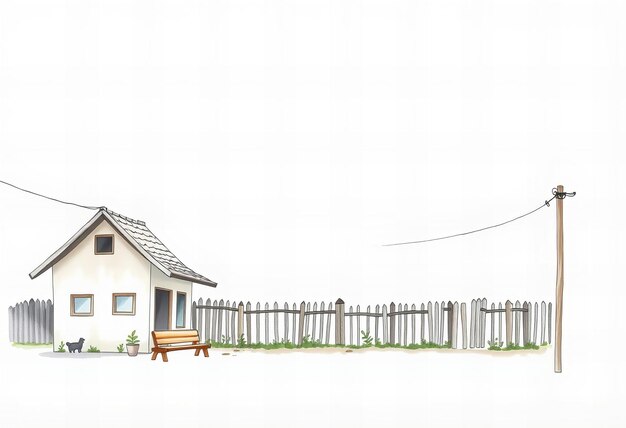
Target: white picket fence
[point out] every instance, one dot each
(31, 322)
(441, 323)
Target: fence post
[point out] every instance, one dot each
(340, 322)
(248, 322)
(392, 324)
(240, 322)
(301, 323)
(508, 308)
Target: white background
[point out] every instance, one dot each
(275, 145)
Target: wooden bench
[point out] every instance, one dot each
(177, 340)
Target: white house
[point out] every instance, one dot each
(114, 276)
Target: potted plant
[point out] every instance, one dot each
(132, 344)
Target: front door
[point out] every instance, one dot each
(162, 309)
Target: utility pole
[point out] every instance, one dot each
(558, 324)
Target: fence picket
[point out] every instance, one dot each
(227, 323)
(436, 327)
(550, 323)
(518, 320)
(307, 320)
(535, 322)
(493, 325)
(441, 324)
(358, 326)
(258, 323)
(413, 325)
(233, 327)
(392, 323)
(399, 324)
(207, 321)
(464, 324)
(525, 324)
(321, 334)
(500, 341)
(219, 337)
(406, 325)
(314, 322)
(198, 323)
(385, 325)
(286, 321)
(367, 320)
(351, 342)
(376, 311)
(543, 322)
(328, 320)
(276, 334)
(483, 323)
(293, 330)
(431, 338)
(267, 323)
(422, 324)
(455, 324)
(472, 323)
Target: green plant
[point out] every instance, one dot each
(93, 349)
(241, 342)
(367, 339)
(61, 347)
(132, 338)
(120, 347)
(496, 345)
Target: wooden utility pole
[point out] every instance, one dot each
(558, 325)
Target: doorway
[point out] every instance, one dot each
(162, 309)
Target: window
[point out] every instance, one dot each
(81, 305)
(123, 303)
(181, 301)
(103, 244)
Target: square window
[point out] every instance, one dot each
(103, 244)
(181, 302)
(81, 305)
(123, 303)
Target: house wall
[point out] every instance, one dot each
(83, 272)
(159, 280)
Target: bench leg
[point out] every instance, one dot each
(205, 351)
(154, 355)
(197, 352)
(164, 355)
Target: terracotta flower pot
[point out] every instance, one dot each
(132, 350)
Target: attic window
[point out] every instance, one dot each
(103, 244)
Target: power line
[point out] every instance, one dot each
(50, 198)
(556, 195)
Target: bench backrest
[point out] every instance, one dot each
(170, 337)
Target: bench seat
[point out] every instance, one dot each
(177, 340)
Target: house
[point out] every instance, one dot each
(114, 276)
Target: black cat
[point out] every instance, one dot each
(76, 346)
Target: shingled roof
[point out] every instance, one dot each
(140, 237)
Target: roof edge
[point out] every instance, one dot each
(194, 280)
